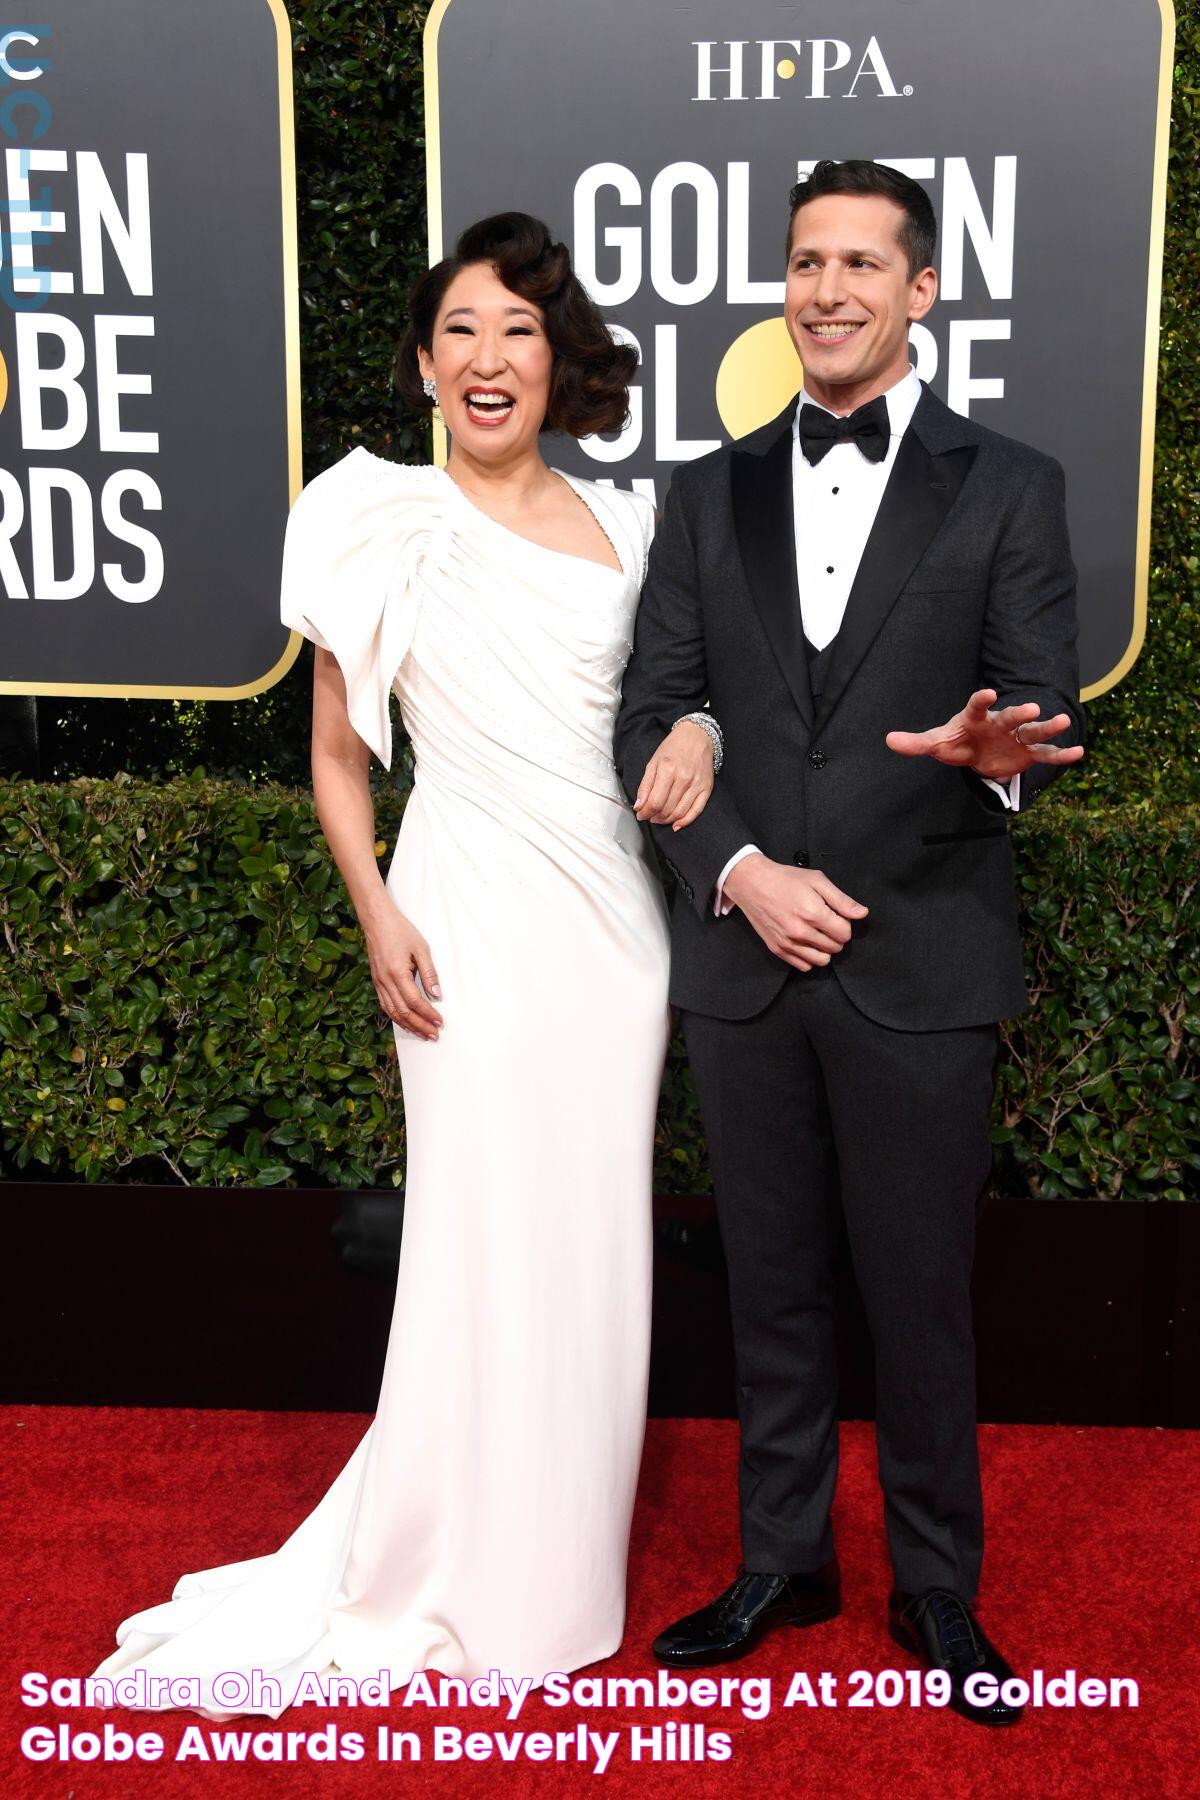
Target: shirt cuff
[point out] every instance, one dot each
(720, 904)
(1009, 791)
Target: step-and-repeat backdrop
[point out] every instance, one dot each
(149, 433)
(661, 141)
(149, 374)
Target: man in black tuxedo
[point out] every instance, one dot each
(875, 598)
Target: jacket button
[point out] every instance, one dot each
(801, 859)
(816, 759)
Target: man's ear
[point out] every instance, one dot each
(924, 293)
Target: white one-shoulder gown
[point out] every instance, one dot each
(483, 1520)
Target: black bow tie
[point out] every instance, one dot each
(868, 427)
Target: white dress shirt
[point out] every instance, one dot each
(835, 503)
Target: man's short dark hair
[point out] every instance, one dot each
(917, 235)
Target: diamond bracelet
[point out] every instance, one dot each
(709, 725)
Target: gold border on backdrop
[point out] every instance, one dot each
(1158, 208)
(291, 315)
(433, 173)
(1158, 216)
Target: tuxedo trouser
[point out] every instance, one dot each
(806, 1106)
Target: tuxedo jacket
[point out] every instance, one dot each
(966, 581)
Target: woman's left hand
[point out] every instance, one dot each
(678, 779)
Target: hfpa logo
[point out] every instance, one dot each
(724, 69)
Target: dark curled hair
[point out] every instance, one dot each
(589, 381)
(917, 235)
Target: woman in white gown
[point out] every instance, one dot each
(520, 946)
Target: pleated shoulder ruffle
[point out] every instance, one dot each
(358, 540)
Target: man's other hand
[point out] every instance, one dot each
(799, 914)
(997, 744)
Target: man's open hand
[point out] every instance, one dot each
(798, 913)
(995, 744)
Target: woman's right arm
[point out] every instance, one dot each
(342, 792)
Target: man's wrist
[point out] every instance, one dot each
(1007, 788)
(740, 879)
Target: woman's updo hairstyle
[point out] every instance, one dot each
(589, 381)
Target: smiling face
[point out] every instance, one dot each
(850, 299)
(492, 361)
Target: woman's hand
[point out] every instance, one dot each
(398, 954)
(678, 779)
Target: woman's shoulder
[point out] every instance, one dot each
(356, 536)
(643, 508)
(632, 512)
(361, 473)
(616, 496)
(634, 509)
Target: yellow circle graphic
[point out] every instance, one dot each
(3, 381)
(785, 68)
(759, 374)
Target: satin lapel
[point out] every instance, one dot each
(921, 490)
(763, 508)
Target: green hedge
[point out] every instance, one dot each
(361, 208)
(186, 996)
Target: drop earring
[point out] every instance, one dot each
(430, 386)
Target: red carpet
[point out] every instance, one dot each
(1091, 1565)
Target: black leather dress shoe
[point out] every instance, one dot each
(943, 1631)
(732, 1624)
